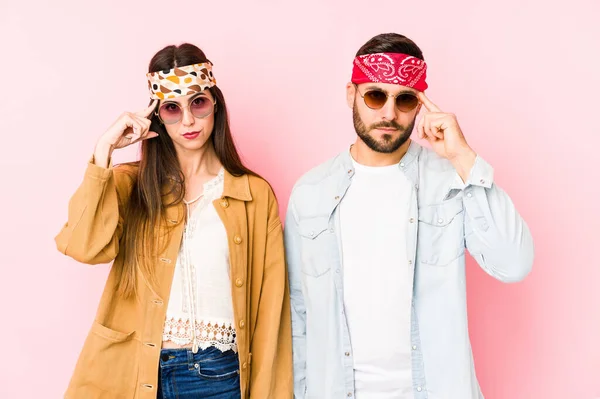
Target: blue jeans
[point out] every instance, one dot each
(209, 373)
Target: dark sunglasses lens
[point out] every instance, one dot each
(406, 102)
(375, 99)
(201, 107)
(170, 113)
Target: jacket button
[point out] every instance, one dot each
(239, 282)
(242, 324)
(224, 203)
(237, 239)
(245, 366)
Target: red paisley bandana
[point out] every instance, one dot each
(394, 68)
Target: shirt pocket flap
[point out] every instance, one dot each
(313, 227)
(440, 214)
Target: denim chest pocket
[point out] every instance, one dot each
(318, 244)
(441, 232)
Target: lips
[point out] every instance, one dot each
(191, 135)
(386, 129)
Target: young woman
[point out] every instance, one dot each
(196, 304)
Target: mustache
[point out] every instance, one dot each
(390, 124)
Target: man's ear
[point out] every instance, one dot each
(350, 94)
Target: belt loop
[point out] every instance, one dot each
(190, 359)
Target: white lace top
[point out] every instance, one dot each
(201, 290)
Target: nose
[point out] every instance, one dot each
(388, 111)
(187, 119)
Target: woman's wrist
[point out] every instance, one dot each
(102, 154)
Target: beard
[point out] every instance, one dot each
(387, 144)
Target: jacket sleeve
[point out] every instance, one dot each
(496, 235)
(271, 372)
(95, 219)
(292, 247)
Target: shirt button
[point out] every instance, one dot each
(224, 203)
(469, 195)
(412, 220)
(239, 282)
(414, 347)
(337, 197)
(347, 354)
(410, 262)
(401, 164)
(419, 389)
(482, 181)
(337, 271)
(349, 394)
(242, 324)
(350, 171)
(312, 234)
(440, 220)
(237, 239)
(331, 230)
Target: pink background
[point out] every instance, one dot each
(522, 76)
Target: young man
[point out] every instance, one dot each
(376, 241)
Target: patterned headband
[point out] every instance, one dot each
(180, 81)
(394, 68)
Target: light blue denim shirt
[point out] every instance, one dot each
(447, 216)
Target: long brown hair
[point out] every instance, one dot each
(160, 175)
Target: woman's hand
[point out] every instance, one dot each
(129, 128)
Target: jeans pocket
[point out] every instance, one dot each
(219, 368)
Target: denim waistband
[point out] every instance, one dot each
(185, 356)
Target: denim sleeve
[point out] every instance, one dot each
(293, 258)
(495, 234)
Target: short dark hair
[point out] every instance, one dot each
(391, 43)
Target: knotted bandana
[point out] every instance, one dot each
(394, 68)
(180, 81)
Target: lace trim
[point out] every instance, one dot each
(213, 183)
(220, 335)
(212, 191)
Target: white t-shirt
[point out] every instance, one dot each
(378, 280)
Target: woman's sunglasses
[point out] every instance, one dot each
(171, 112)
(376, 99)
